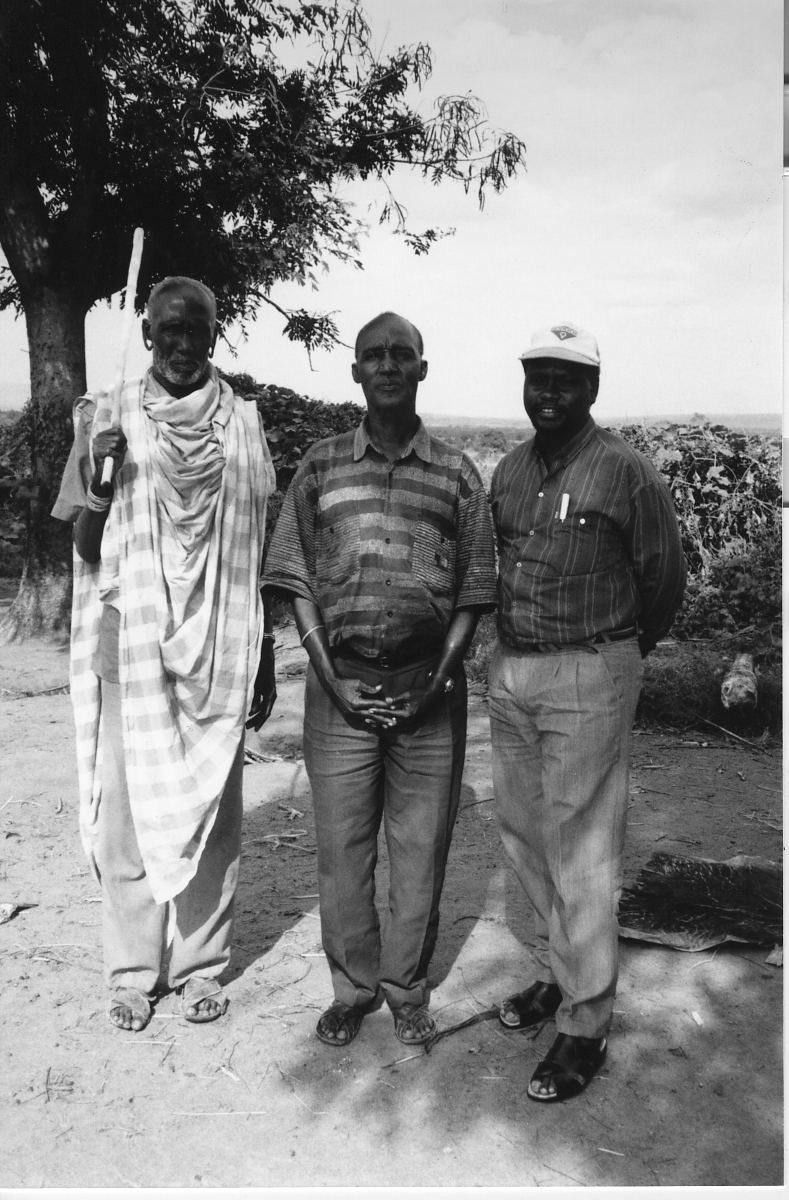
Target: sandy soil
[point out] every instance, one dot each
(256, 1100)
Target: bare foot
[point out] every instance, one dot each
(130, 1009)
(202, 1000)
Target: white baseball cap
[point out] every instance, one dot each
(565, 341)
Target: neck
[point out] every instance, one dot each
(179, 390)
(551, 446)
(391, 432)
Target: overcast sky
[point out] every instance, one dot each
(650, 213)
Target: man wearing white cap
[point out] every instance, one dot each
(591, 574)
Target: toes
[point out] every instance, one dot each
(124, 1018)
(203, 1008)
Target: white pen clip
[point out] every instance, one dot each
(565, 504)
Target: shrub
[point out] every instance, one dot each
(727, 493)
(293, 423)
(682, 683)
(38, 436)
(725, 486)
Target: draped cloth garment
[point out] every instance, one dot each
(180, 560)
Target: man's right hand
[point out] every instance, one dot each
(110, 443)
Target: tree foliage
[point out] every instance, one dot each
(181, 116)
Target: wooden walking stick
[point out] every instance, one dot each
(128, 322)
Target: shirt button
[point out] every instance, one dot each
(517, 564)
(387, 540)
(583, 520)
(541, 494)
(531, 533)
(390, 614)
(388, 583)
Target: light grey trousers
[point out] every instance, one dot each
(135, 927)
(560, 729)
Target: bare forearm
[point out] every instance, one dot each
(89, 525)
(456, 643)
(88, 532)
(312, 631)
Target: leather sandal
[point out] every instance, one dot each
(408, 1018)
(340, 1023)
(569, 1065)
(193, 992)
(536, 1004)
(136, 1002)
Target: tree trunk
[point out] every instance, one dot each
(56, 338)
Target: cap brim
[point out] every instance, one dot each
(561, 352)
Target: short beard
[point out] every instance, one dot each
(177, 377)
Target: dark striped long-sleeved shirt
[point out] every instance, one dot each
(606, 558)
(387, 550)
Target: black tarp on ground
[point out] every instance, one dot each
(695, 903)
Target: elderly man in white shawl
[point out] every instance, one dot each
(170, 648)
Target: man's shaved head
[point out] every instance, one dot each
(180, 283)
(385, 316)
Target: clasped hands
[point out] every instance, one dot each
(364, 703)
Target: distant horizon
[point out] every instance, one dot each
(13, 397)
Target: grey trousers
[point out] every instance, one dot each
(560, 729)
(410, 780)
(135, 927)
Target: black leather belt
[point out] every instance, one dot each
(599, 639)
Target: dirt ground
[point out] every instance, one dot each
(255, 1100)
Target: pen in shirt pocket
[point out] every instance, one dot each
(565, 504)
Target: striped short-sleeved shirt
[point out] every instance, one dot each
(387, 550)
(590, 546)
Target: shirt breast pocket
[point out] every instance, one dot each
(583, 545)
(434, 560)
(337, 548)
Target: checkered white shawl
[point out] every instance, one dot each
(181, 556)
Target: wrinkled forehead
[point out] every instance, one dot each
(388, 333)
(181, 302)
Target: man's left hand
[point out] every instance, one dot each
(406, 710)
(265, 692)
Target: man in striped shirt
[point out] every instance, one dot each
(591, 574)
(385, 545)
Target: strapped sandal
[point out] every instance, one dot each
(136, 1002)
(570, 1064)
(536, 1004)
(408, 1018)
(339, 1025)
(193, 992)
